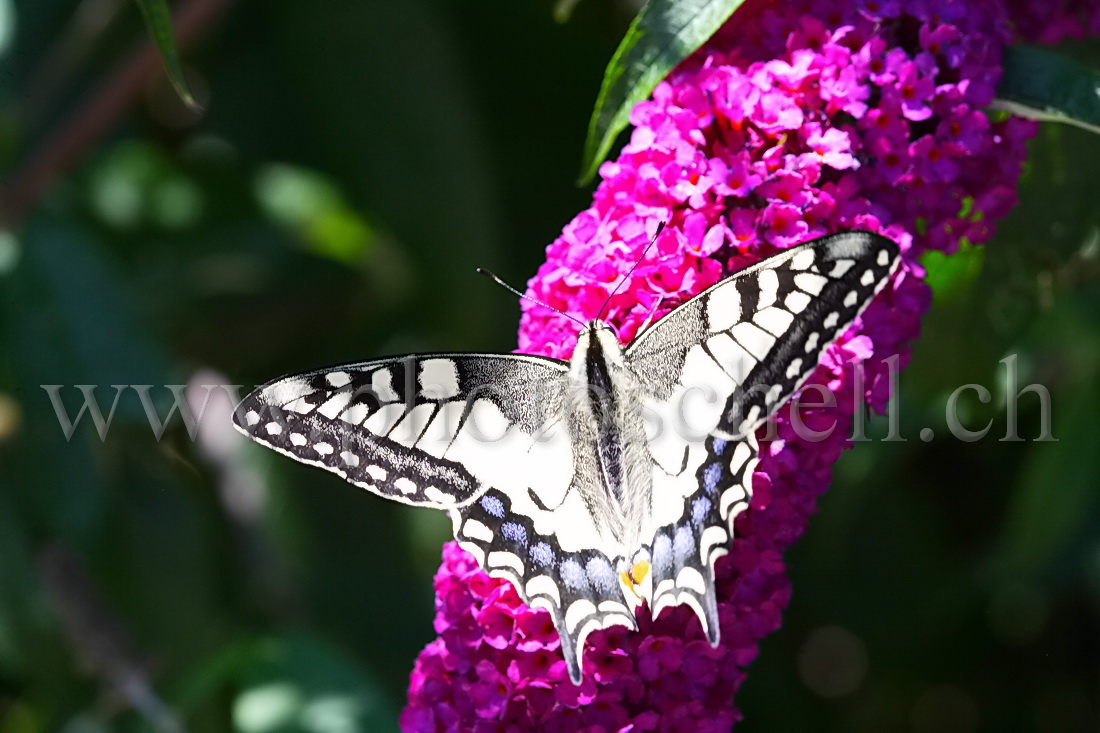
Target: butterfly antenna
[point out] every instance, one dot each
(524, 296)
(624, 278)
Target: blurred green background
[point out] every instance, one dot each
(355, 161)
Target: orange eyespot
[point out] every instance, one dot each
(638, 572)
(634, 577)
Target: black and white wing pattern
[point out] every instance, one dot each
(433, 430)
(600, 483)
(713, 370)
(484, 437)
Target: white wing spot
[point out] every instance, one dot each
(274, 428)
(298, 439)
(751, 419)
(439, 379)
(811, 342)
(831, 320)
(883, 257)
(405, 486)
(794, 368)
(543, 585)
(740, 454)
(769, 287)
(440, 497)
(774, 320)
(850, 299)
(711, 537)
(350, 458)
(476, 530)
(867, 278)
(578, 610)
(251, 417)
(338, 379)
(803, 260)
(796, 302)
(335, 404)
(377, 473)
(731, 497)
(810, 282)
(723, 307)
(503, 558)
(323, 448)
(474, 549)
(381, 382)
(841, 267)
(689, 577)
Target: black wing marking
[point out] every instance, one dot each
(760, 333)
(752, 340)
(579, 586)
(430, 430)
(684, 551)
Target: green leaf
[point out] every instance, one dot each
(663, 34)
(159, 21)
(1046, 86)
(951, 275)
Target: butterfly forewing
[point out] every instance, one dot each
(434, 430)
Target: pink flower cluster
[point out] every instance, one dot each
(798, 119)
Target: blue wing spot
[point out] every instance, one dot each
(514, 532)
(573, 575)
(493, 506)
(699, 509)
(662, 556)
(683, 545)
(712, 474)
(601, 575)
(717, 446)
(542, 554)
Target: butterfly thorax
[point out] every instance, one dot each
(605, 411)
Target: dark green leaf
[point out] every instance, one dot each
(1046, 86)
(663, 34)
(159, 21)
(1055, 495)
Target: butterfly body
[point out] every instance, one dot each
(605, 413)
(601, 483)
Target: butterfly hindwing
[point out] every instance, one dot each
(577, 582)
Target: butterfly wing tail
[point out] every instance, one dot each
(684, 552)
(580, 589)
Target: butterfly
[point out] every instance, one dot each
(600, 483)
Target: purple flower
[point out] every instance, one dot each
(790, 123)
(833, 147)
(914, 90)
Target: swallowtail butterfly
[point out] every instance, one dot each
(605, 481)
